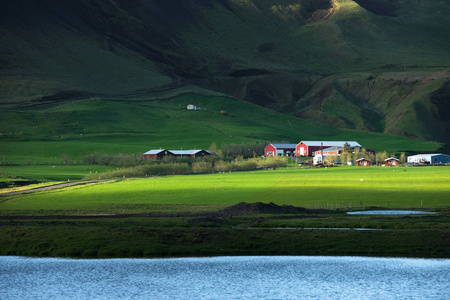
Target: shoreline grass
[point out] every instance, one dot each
(175, 237)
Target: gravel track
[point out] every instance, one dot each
(61, 185)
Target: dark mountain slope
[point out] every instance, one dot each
(377, 65)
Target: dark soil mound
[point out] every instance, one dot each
(259, 207)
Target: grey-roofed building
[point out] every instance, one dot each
(157, 154)
(161, 153)
(191, 153)
(279, 149)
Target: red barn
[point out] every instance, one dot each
(279, 149)
(306, 148)
(392, 161)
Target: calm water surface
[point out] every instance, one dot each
(225, 278)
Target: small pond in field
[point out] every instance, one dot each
(390, 212)
(258, 277)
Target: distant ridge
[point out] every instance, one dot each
(368, 65)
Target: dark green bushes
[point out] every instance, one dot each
(246, 150)
(206, 165)
(149, 170)
(118, 160)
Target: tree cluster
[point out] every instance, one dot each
(246, 150)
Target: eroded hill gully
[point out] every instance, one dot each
(377, 98)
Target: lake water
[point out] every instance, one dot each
(260, 277)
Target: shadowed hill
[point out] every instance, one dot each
(370, 65)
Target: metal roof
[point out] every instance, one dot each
(187, 152)
(155, 151)
(331, 143)
(284, 146)
(427, 155)
(330, 148)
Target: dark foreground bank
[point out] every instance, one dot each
(285, 232)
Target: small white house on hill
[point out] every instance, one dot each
(193, 107)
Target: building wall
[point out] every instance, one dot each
(270, 150)
(391, 162)
(318, 152)
(284, 151)
(311, 149)
(202, 154)
(432, 159)
(302, 149)
(363, 163)
(442, 158)
(159, 155)
(154, 156)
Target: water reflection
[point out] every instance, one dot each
(225, 278)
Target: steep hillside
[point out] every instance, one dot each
(370, 65)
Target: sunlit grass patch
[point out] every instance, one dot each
(343, 187)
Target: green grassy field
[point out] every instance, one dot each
(51, 172)
(341, 187)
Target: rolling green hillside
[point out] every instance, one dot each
(380, 66)
(44, 133)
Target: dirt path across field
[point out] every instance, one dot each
(53, 187)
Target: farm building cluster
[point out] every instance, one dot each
(161, 153)
(310, 148)
(321, 151)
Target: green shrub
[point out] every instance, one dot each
(150, 169)
(202, 167)
(118, 160)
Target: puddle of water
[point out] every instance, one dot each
(309, 228)
(390, 212)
